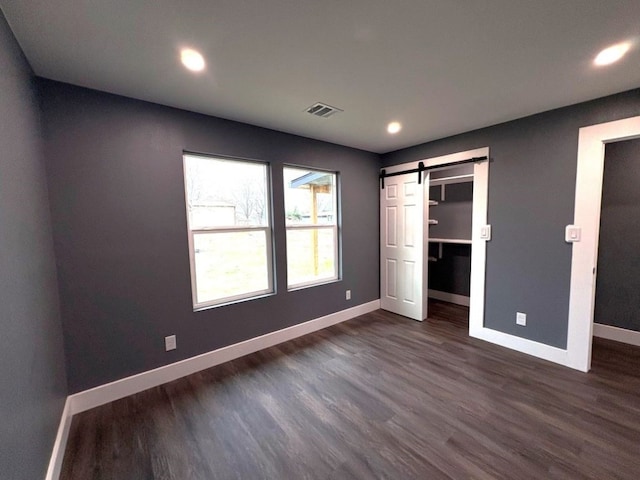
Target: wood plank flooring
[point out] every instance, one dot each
(379, 396)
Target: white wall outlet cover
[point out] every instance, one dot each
(485, 232)
(572, 234)
(521, 319)
(170, 342)
(348, 295)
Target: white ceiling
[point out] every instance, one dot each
(440, 67)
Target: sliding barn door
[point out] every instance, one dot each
(403, 245)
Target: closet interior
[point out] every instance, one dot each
(450, 215)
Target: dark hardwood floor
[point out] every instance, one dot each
(379, 396)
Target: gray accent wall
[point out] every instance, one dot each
(32, 371)
(618, 280)
(532, 179)
(117, 201)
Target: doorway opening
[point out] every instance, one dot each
(584, 260)
(617, 302)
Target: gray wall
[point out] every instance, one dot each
(117, 201)
(32, 378)
(618, 280)
(531, 199)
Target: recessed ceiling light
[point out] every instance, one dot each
(612, 54)
(192, 60)
(394, 127)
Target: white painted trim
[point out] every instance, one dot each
(60, 444)
(460, 241)
(540, 350)
(584, 259)
(449, 297)
(478, 245)
(622, 335)
(109, 392)
(468, 177)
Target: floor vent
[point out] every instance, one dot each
(322, 110)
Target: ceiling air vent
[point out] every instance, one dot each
(322, 110)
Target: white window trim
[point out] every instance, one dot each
(268, 229)
(336, 232)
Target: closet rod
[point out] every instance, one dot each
(421, 168)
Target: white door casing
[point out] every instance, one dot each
(403, 258)
(584, 257)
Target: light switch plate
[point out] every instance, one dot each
(485, 232)
(572, 234)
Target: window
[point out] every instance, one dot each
(229, 229)
(311, 210)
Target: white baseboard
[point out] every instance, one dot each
(530, 347)
(57, 454)
(618, 334)
(94, 397)
(449, 297)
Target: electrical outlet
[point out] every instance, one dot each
(521, 319)
(348, 295)
(170, 343)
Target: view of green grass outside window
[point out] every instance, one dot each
(229, 229)
(312, 226)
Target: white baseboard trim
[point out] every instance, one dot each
(536, 349)
(59, 446)
(618, 334)
(449, 297)
(94, 397)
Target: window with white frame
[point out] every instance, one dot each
(229, 229)
(311, 210)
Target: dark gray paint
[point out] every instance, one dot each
(117, 201)
(531, 199)
(32, 377)
(618, 280)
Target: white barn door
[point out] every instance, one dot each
(404, 229)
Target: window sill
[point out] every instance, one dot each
(304, 286)
(201, 308)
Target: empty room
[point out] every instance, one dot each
(315, 240)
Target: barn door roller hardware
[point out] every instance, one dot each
(421, 168)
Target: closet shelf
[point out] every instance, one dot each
(433, 221)
(462, 241)
(433, 259)
(433, 203)
(467, 177)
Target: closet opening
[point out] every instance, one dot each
(449, 236)
(433, 236)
